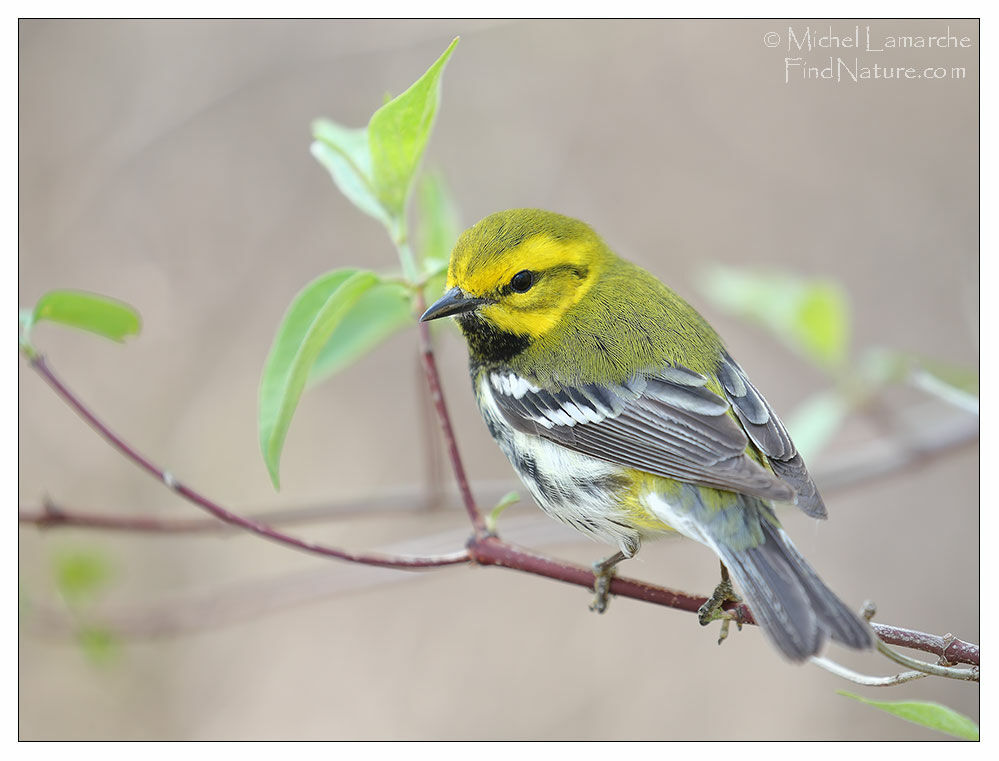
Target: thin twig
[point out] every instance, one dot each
(39, 364)
(437, 396)
(877, 460)
(948, 648)
(895, 453)
(403, 500)
(949, 672)
(493, 551)
(433, 472)
(482, 548)
(868, 681)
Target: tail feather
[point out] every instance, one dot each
(788, 600)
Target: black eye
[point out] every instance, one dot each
(522, 281)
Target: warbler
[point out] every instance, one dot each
(626, 417)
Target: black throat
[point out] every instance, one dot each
(487, 344)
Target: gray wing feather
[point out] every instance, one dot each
(769, 435)
(789, 601)
(666, 424)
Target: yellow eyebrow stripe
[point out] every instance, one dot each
(538, 253)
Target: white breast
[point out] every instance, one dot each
(575, 488)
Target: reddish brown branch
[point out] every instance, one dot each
(437, 396)
(53, 515)
(265, 530)
(492, 551)
(482, 549)
(949, 648)
(859, 466)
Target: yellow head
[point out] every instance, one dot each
(522, 270)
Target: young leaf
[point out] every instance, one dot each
(932, 715)
(440, 227)
(80, 575)
(492, 519)
(378, 314)
(88, 311)
(821, 323)
(99, 644)
(25, 322)
(347, 157)
(307, 326)
(811, 316)
(398, 133)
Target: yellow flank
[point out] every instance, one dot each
(640, 484)
(536, 312)
(639, 517)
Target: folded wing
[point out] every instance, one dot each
(665, 423)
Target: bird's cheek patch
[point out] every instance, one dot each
(533, 323)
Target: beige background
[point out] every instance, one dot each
(168, 164)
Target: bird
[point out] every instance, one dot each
(626, 417)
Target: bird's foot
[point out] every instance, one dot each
(712, 609)
(603, 572)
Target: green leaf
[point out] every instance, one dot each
(26, 321)
(100, 645)
(398, 133)
(307, 326)
(87, 311)
(816, 421)
(440, 226)
(347, 157)
(378, 314)
(80, 575)
(510, 498)
(821, 322)
(438, 233)
(810, 316)
(932, 715)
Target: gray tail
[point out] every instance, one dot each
(788, 600)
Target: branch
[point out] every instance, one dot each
(266, 596)
(928, 668)
(437, 396)
(39, 364)
(493, 551)
(894, 454)
(867, 681)
(948, 648)
(879, 459)
(483, 549)
(52, 515)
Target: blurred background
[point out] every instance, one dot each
(167, 164)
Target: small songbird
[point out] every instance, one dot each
(626, 418)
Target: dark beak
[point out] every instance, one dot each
(451, 303)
